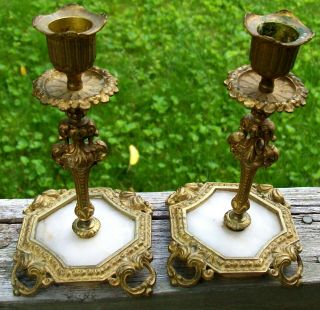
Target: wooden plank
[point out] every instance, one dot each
(11, 210)
(220, 293)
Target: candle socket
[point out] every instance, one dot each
(71, 40)
(275, 43)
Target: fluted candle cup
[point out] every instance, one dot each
(71, 38)
(276, 39)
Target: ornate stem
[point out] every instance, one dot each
(78, 154)
(250, 145)
(81, 181)
(240, 202)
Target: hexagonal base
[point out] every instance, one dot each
(203, 242)
(49, 251)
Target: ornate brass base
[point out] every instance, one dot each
(272, 256)
(237, 222)
(86, 229)
(44, 266)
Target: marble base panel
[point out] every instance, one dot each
(205, 223)
(55, 233)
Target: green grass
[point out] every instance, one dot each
(171, 58)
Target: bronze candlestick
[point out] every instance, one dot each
(276, 39)
(50, 249)
(71, 38)
(206, 235)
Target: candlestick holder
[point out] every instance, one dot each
(206, 235)
(116, 243)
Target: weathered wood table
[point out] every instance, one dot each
(220, 293)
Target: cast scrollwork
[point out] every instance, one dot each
(34, 269)
(270, 192)
(44, 200)
(192, 259)
(186, 192)
(133, 201)
(284, 257)
(129, 268)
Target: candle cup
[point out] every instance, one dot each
(71, 38)
(275, 43)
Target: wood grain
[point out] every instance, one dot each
(220, 293)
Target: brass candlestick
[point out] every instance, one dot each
(50, 249)
(276, 39)
(71, 38)
(209, 237)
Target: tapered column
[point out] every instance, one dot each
(78, 154)
(250, 145)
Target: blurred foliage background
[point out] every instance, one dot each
(171, 58)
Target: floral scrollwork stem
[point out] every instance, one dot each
(193, 260)
(78, 153)
(284, 258)
(251, 146)
(35, 270)
(129, 268)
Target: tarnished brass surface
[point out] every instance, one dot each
(78, 153)
(73, 87)
(37, 263)
(98, 86)
(276, 39)
(277, 254)
(289, 92)
(71, 38)
(235, 221)
(265, 87)
(250, 145)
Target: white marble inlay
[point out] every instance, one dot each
(55, 232)
(206, 224)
